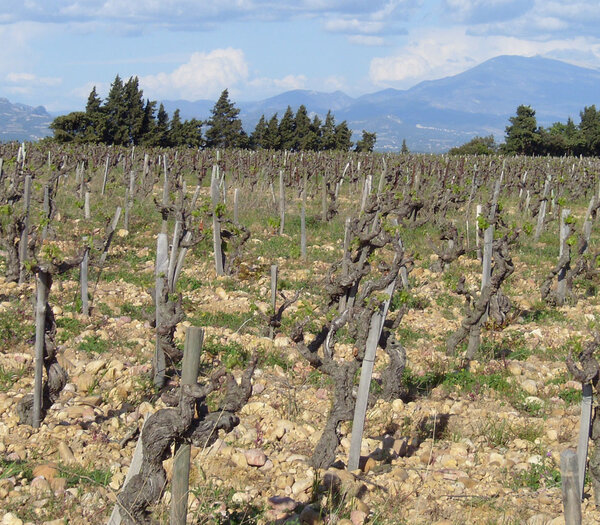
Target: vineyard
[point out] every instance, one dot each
(453, 298)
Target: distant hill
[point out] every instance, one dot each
(21, 122)
(436, 115)
(432, 116)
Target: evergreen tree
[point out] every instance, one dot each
(343, 134)
(272, 140)
(287, 131)
(115, 131)
(174, 135)
(74, 127)
(476, 146)
(590, 130)
(95, 113)
(191, 134)
(366, 143)
(257, 137)
(522, 136)
(225, 127)
(313, 143)
(302, 131)
(148, 123)
(133, 117)
(404, 150)
(328, 141)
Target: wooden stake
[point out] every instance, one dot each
(366, 373)
(273, 296)
(194, 338)
(43, 281)
(570, 488)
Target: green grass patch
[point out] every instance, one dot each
(15, 328)
(232, 320)
(9, 376)
(78, 475)
(231, 354)
(18, 469)
(93, 344)
(70, 328)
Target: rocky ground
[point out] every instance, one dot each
(479, 446)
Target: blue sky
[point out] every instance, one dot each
(55, 51)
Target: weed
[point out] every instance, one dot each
(93, 344)
(79, 475)
(19, 469)
(571, 396)
(69, 328)
(13, 329)
(9, 376)
(543, 474)
(231, 354)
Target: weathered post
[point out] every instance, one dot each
(214, 191)
(570, 490)
(85, 308)
(360, 410)
(303, 220)
(43, 288)
(105, 178)
(345, 260)
(181, 462)
(542, 210)
(236, 213)
(24, 241)
(86, 206)
(162, 262)
(584, 434)
(324, 197)
(561, 290)
(273, 296)
(281, 203)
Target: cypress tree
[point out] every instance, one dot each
(287, 135)
(225, 127)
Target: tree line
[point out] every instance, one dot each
(525, 137)
(125, 118)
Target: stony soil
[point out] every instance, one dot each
(460, 450)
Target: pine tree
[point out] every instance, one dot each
(94, 111)
(343, 134)
(272, 140)
(225, 127)
(302, 130)
(257, 137)
(328, 133)
(522, 136)
(133, 117)
(148, 123)
(287, 131)
(590, 130)
(366, 143)
(314, 141)
(116, 131)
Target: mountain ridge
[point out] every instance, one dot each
(433, 115)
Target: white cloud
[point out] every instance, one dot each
(32, 80)
(269, 85)
(205, 75)
(354, 26)
(366, 40)
(438, 53)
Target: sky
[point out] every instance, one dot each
(53, 52)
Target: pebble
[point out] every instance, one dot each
(310, 516)
(255, 457)
(11, 519)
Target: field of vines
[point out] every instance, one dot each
(243, 308)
